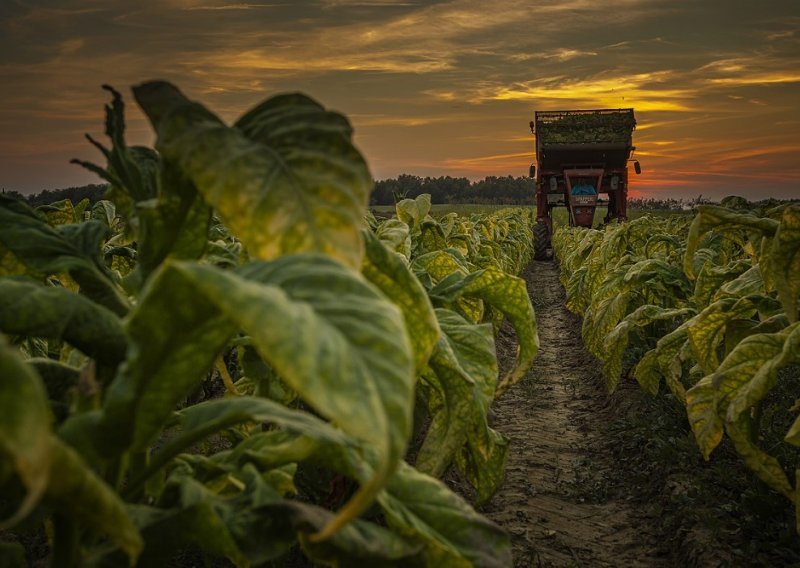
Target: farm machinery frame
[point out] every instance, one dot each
(580, 154)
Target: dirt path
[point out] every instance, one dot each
(554, 500)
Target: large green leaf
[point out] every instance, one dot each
(175, 224)
(166, 358)
(416, 505)
(450, 411)
(509, 295)
(327, 332)
(199, 421)
(34, 310)
(388, 272)
(288, 163)
(482, 460)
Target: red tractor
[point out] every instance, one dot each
(579, 155)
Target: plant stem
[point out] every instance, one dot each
(219, 364)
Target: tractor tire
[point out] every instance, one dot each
(541, 242)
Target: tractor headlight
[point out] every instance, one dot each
(614, 182)
(553, 184)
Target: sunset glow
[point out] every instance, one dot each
(432, 87)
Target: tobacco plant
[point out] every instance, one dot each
(708, 305)
(241, 251)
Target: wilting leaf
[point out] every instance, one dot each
(766, 467)
(701, 408)
(647, 374)
(59, 213)
(431, 237)
(749, 372)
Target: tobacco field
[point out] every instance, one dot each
(231, 361)
(244, 256)
(708, 307)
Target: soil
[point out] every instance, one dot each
(559, 501)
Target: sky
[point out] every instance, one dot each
(431, 87)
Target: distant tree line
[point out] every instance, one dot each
(490, 190)
(92, 192)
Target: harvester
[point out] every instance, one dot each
(580, 154)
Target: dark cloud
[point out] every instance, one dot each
(432, 87)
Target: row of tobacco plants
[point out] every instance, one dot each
(708, 306)
(244, 255)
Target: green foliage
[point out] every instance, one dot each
(716, 306)
(240, 251)
(585, 127)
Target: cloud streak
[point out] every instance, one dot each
(432, 87)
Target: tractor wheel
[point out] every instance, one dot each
(541, 242)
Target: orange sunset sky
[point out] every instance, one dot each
(432, 87)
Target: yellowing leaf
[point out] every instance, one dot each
(701, 408)
(413, 211)
(286, 179)
(785, 260)
(387, 271)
